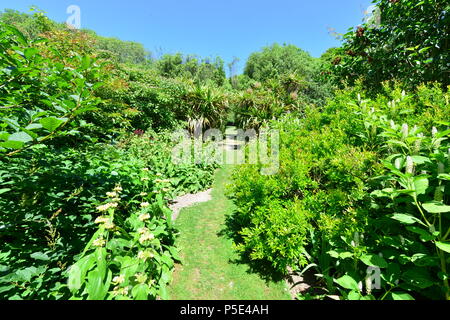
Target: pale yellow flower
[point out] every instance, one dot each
(146, 169)
(143, 230)
(141, 278)
(113, 204)
(118, 189)
(120, 291)
(145, 205)
(111, 194)
(144, 255)
(119, 279)
(143, 194)
(107, 206)
(144, 217)
(146, 237)
(100, 242)
(109, 225)
(104, 207)
(102, 219)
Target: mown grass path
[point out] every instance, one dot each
(210, 269)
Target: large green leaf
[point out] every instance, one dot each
(401, 296)
(21, 137)
(163, 292)
(78, 271)
(373, 260)
(418, 277)
(436, 207)
(421, 184)
(40, 256)
(443, 246)
(140, 292)
(4, 190)
(406, 218)
(424, 234)
(51, 123)
(347, 282)
(20, 37)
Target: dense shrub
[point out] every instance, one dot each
(409, 43)
(49, 200)
(350, 203)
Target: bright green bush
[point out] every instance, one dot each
(352, 205)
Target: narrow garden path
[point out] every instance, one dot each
(211, 268)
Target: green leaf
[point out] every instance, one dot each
(420, 159)
(12, 144)
(97, 290)
(406, 218)
(418, 277)
(39, 256)
(436, 207)
(444, 176)
(34, 126)
(354, 295)
(51, 123)
(347, 282)
(424, 234)
(27, 273)
(4, 190)
(401, 296)
(443, 246)
(85, 62)
(373, 260)
(140, 292)
(163, 292)
(30, 53)
(21, 137)
(21, 38)
(78, 271)
(75, 280)
(421, 184)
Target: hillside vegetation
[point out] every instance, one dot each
(361, 200)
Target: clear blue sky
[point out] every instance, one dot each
(227, 28)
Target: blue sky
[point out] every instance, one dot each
(231, 28)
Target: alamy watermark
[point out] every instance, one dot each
(373, 273)
(74, 19)
(232, 147)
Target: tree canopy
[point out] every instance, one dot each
(277, 60)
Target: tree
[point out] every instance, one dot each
(124, 51)
(199, 70)
(275, 61)
(409, 42)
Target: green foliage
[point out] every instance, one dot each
(31, 25)
(41, 99)
(58, 191)
(410, 44)
(192, 67)
(275, 97)
(123, 51)
(275, 61)
(128, 257)
(349, 209)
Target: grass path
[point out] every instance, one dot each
(210, 270)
